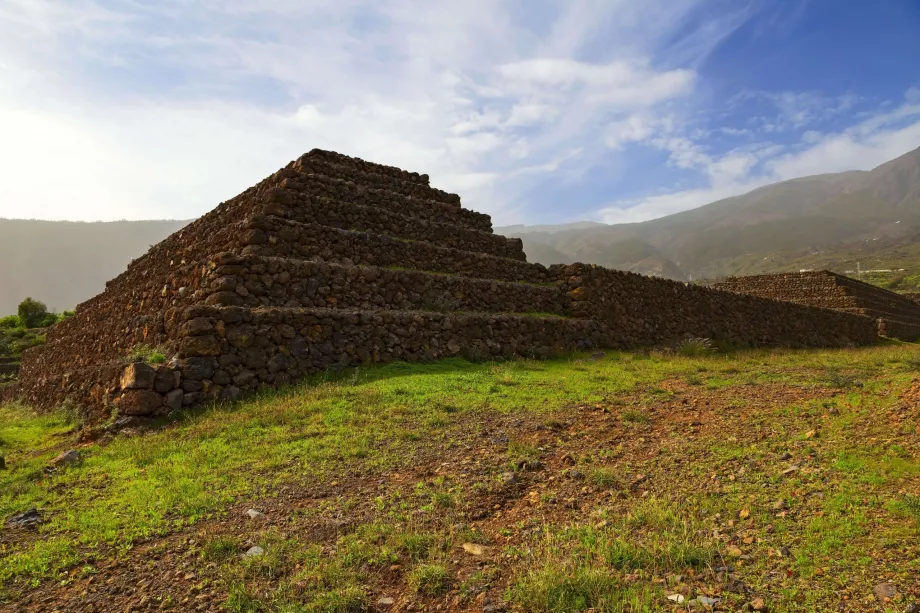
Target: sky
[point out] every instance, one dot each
(534, 111)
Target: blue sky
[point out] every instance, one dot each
(535, 111)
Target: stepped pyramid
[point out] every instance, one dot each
(897, 316)
(330, 262)
(333, 262)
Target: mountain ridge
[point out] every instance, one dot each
(814, 212)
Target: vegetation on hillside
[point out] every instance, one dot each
(827, 221)
(617, 482)
(24, 330)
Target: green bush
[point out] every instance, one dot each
(32, 313)
(694, 347)
(10, 321)
(49, 320)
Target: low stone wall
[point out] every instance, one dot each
(235, 349)
(644, 311)
(294, 239)
(900, 330)
(260, 282)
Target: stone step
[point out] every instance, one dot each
(347, 161)
(247, 347)
(397, 185)
(338, 214)
(276, 237)
(257, 281)
(300, 186)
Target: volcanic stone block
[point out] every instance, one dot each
(139, 402)
(138, 376)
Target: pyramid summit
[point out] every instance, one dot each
(333, 262)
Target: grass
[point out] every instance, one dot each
(146, 353)
(607, 539)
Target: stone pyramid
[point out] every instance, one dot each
(334, 262)
(330, 262)
(898, 316)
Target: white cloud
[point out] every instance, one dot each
(121, 109)
(861, 146)
(632, 129)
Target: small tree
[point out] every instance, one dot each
(32, 313)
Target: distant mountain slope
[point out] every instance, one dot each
(65, 263)
(807, 214)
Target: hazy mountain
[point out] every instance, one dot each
(64, 263)
(746, 233)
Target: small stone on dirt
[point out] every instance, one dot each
(790, 470)
(757, 605)
(779, 505)
(474, 549)
(26, 519)
(736, 587)
(705, 601)
(68, 458)
(913, 607)
(385, 602)
(509, 478)
(678, 598)
(786, 456)
(253, 514)
(254, 551)
(885, 591)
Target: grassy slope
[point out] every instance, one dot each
(634, 478)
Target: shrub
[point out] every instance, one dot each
(49, 320)
(895, 281)
(693, 347)
(32, 313)
(10, 321)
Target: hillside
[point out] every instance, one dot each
(65, 263)
(767, 230)
(781, 481)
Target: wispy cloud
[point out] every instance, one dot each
(862, 145)
(137, 110)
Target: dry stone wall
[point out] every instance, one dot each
(277, 237)
(338, 214)
(898, 316)
(255, 281)
(643, 311)
(334, 262)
